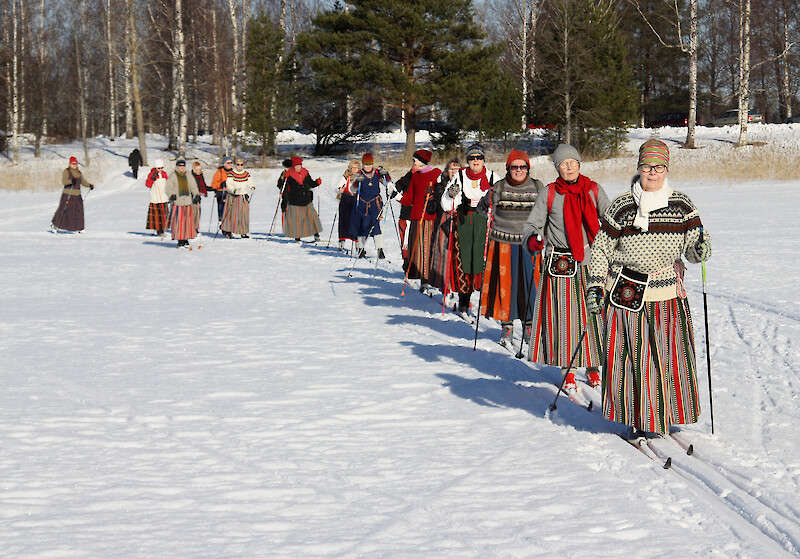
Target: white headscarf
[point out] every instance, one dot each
(648, 202)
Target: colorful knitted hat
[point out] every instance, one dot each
(367, 159)
(654, 152)
(516, 154)
(423, 155)
(476, 149)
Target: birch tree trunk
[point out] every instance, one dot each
(112, 93)
(690, 125)
(221, 118)
(743, 92)
(181, 78)
(128, 65)
(14, 84)
(524, 63)
(134, 70)
(81, 83)
(783, 63)
(235, 75)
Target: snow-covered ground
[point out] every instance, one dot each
(250, 399)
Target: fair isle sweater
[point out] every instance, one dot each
(511, 206)
(673, 231)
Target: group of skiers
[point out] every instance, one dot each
(595, 284)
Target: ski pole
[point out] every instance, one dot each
(483, 279)
(527, 305)
(449, 254)
(280, 196)
(414, 248)
(332, 226)
(708, 353)
(211, 213)
(571, 361)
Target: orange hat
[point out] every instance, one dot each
(516, 154)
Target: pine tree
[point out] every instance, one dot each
(264, 47)
(405, 54)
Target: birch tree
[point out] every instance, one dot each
(15, 54)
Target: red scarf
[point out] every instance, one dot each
(299, 177)
(482, 176)
(580, 212)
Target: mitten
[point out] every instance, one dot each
(196, 199)
(319, 182)
(153, 175)
(91, 187)
(453, 190)
(594, 300)
(703, 250)
(173, 198)
(391, 191)
(247, 197)
(535, 243)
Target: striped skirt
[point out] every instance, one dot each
(506, 278)
(420, 245)
(183, 224)
(650, 380)
(301, 221)
(196, 210)
(157, 216)
(441, 273)
(237, 215)
(559, 318)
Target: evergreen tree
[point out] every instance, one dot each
(585, 80)
(264, 46)
(406, 54)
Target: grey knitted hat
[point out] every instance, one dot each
(564, 152)
(227, 160)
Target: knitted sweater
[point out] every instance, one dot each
(511, 206)
(239, 183)
(673, 231)
(184, 190)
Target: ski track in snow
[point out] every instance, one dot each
(248, 399)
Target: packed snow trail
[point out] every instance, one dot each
(249, 399)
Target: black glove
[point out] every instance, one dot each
(430, 207)
(91, 187)
(196, 199)
(594, 300)
(153, 175)
(247, 197)
(173, 198)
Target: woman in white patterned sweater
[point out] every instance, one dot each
(649, 380)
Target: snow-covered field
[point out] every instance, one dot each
(250, 399)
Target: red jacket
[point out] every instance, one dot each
(421, 192)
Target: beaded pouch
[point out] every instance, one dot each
(561, 263)
(629, 290)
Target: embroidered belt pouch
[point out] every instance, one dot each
(561, 263)
(629, 290)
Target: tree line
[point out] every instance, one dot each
(241, 70)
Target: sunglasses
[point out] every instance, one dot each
(518, 168)
(475, 158)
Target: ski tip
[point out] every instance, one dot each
(590, 406)
(668, 463)
(553, 407)
(690, 450)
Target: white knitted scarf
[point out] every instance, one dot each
(648, 202)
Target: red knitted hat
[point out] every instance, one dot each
(297, 161)
(516, 154)
(73, 159)
(423, 155)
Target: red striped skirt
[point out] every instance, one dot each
(420, 241)
(183, 224)
(442, 273)
(237, 215)
(650, 380)
(301, 221)
(559, 317)
(157, 216)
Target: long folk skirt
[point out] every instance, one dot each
(509, 274)
(559, 318)
(157, 216)
(69, 214)
(237, 215)
(420, 241)
(346, 203)
(184, 226)
(301, 221)
(649, 380)
(442, 272)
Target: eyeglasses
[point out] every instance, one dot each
(475, 158)
(657, 168)
(518, 168)
(239, 164)
(181, 165)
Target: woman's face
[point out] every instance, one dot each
(518, 169)
(354, 168)
(475, 163)
(452, 170)
(652, 177)
(416, 164)
(569, 170)
(297, 168)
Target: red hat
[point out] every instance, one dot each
(73, 159)
(423, 155)
(297, 160)
(516, 154)
(367, 159)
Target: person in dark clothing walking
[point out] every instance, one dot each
(135, 161)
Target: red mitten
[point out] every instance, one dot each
(319, 182)
(535, 244)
